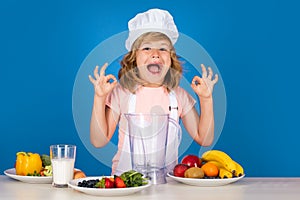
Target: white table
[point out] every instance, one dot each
(246, 188)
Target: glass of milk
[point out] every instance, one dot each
(62, 160)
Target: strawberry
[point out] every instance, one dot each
(119, 183)
(106, 183)
(109, 183)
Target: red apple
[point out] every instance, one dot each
(192, 161)
(179, 170)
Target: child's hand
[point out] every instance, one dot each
(204, 86)
(102, 84)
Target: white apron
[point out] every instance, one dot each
(172, 143)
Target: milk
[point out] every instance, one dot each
(63, 170)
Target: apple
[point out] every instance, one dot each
(192, 160)
(179, 169)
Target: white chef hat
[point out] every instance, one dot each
(153, 20)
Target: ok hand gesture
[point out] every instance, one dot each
(204, 86)
(102, 83)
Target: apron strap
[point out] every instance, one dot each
(132, 103)
(173, 108)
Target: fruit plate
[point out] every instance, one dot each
(27, 179)
(205, 182)
(108, 191)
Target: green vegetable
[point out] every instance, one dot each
(100, 184)
(48, 170)
(34, 174)
(133, 178)
(46, 160)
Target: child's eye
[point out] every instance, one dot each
(146, 49)
(163, 49)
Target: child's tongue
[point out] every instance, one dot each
(153, 68)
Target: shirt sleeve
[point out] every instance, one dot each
(117, 100)
(185, 101)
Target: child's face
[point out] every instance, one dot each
(153, 61)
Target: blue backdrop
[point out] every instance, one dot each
(254, 44)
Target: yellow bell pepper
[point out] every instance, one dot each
(28, 163)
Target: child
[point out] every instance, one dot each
(148, 83)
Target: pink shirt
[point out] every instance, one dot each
(148, 100)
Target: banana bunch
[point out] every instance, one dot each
(228, 168)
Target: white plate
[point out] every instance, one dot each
(205, 182)
(27, 179)
(105, 192)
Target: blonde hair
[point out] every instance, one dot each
(128, 75)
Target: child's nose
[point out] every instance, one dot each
(155, 53)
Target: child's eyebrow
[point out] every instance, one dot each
(146, 43)
(165, 43)
(150, 43)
